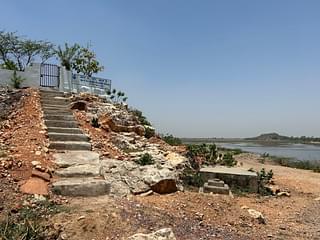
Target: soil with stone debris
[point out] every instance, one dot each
(204, 216)
(22, 140)
(189, 214)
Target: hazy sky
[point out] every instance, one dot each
(196, 68)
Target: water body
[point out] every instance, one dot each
(301, 152)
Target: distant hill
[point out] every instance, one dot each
(269, 137)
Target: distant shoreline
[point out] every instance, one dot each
(243, 140)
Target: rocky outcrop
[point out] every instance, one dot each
(107, 122)
(128, 177)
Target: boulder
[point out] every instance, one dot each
(162, 234)
(129, 177)
(35, 185)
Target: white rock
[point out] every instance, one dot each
(162, 234)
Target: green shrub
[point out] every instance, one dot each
(228, 160)
(202, 154)
(263, 179)
(16, 80)
(145, 159)
(95, 122)
(150, 132)
(140, 117)
(171, 140)
(191, 177)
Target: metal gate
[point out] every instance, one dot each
(49, 75)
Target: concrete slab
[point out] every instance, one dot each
(70, 145)
(86, 187)
(67, 137)
(233, 176)
(64, 130)
(63, 124)
(85, 170)
(215, 189)
(76, 158)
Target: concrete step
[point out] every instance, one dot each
(216, 182)
(64, 130)
(60, 117)
(70, 145)
(55, 102)
(85, 170)
(73, 158)
(86, 187)
(45, 94)
(67, 137)
(63, 124)
(56, 111)
(217, 190)
(55, 107)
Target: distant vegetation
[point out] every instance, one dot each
(171, 140)
(289, 162)
(276, 137)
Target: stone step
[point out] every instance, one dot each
(84, 170)
(63, 124)
(64, 130)
(216, 182)
(85, 187)
(56, 111)
(67, 137)
(60, 117)
(216, 190)
(55, 101)
(45, 95)
(70, 145)
(73, 158)
(55, 107)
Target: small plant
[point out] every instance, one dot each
(140, 117)
(171, 140)
(263, 179)
(117, 96)
(145, 159)
(228, 160)
(191, 177)
(95, 122)
(16, 80)
(150, 131)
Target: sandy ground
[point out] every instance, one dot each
(203, 216)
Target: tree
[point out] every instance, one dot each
(86, 62)
(16, 52)
(67, 55)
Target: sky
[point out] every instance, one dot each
(196, 68)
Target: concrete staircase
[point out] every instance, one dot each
(216, 186)
(63, 130)
(78, 166)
